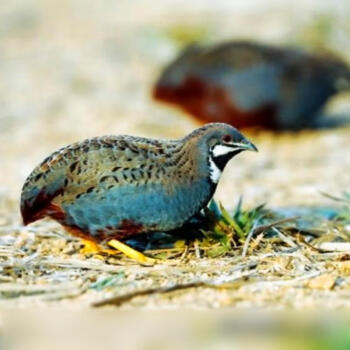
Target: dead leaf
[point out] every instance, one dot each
(344, 268)
(325, 281)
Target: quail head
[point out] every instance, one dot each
(112, 187)
(247, 84)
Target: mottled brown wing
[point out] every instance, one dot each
(92, 165)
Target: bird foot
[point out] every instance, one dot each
(131, 253)
(92, 248)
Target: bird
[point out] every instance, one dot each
(110, 188)
(250, 84)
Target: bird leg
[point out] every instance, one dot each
(91, 247)
(130, 252)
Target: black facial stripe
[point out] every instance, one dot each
(221, 161)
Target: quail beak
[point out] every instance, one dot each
(245, 146)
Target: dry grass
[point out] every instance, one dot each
(76, 71)
(251, 257)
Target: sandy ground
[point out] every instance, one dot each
(72, 70)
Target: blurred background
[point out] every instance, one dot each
(75, 69)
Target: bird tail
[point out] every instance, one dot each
(36, 198)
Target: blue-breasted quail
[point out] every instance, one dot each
(113, 187)
(247, 84)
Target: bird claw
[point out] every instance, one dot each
(131, 253)
(92, 248)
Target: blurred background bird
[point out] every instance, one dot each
(248, 84)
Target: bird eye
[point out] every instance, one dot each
(227, 138)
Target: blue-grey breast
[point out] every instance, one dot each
(113, 187)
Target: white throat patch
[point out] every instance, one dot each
(215, 172)
(220, 150)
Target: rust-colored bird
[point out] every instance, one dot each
(252, 85)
